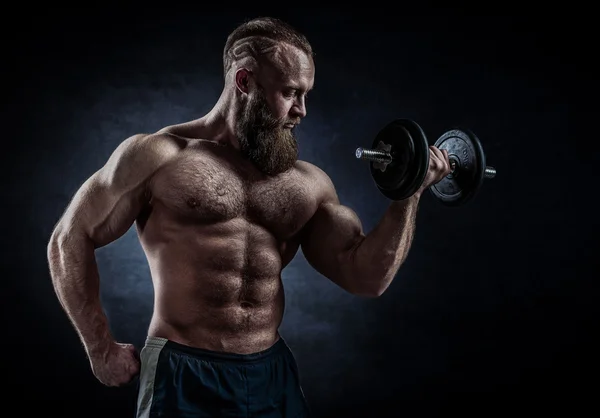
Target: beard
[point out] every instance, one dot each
(263, 139)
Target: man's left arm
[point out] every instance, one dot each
(334, 243)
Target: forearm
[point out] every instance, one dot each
(374, 261)
(75, 277)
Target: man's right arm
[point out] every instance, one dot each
(101, 211)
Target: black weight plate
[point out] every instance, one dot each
(460, 186)
(410, 159)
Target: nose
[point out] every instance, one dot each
(299, 108)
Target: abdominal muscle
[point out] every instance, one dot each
(216, 286)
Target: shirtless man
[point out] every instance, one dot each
(221, 205)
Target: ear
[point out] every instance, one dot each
(242, 80)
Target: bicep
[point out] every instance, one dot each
(102, 210)
(330, 238)
(107, 203)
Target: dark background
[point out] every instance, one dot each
(495, 310)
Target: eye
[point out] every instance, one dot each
(289, 93)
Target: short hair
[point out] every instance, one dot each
(257, 37)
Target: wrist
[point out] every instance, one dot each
(98, 348)
(405, 206)
(415, 197)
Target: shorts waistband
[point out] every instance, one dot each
(210, 355)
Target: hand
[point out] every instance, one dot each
(116, 365)
(439, 167)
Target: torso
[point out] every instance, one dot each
(217, 234)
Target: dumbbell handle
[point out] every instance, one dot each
(380, 156)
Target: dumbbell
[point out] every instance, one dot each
(399, 159)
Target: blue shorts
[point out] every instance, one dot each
(181, 381)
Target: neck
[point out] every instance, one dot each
(218, 124)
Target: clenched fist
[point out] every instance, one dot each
(439, 167)
(116, 365)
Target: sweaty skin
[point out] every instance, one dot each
(217, 231)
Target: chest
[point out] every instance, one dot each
(209, 189)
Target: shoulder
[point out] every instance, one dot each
(142, 154)
(160, 143)
(319, 180)
(312, 171)
(150, 148)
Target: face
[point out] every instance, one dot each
(276, 103)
